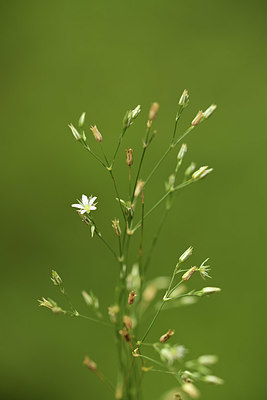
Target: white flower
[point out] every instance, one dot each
(86, 204)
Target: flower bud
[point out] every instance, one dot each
(182, 152)
(187, 275)
(75, 133)
(135, 112)
(207, 290)
(96, 133)
(191, 390)
(81, 120)
(184, 99)
(116, 227)
(55, 278)
(213, 379)
(208, 359)
(153, 111)
(90, 364)
(166, 336)
(202, 172)
(209, 111)
(197, 118)
(131, 297)
(51, 305)
(139, 187)
(189, 170)
(186, 254)
(129, 157)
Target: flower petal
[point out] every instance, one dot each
(92, 199)
(85, 200)
(93, 208)
(82, 211)
(77, 205)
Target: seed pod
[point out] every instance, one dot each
(187, 275)
(166, 336)
(96, 133)
(131, 297)
(129, 157)
(128, 322)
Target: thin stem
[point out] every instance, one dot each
(145, 145)
(155, 239)
(118, 145)
(106, 244)
(152, 322)
(99, 321)
(162, 199)
(117, 193)
(94, 155)
(152, 360)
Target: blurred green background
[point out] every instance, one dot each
(59, 58)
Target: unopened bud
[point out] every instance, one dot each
(213, 379)
(207, 290)
(187, 275)
(189, 170)
(197, 118)
(208, 359)
(90, 364)
(201, 172)
(135, 112)
(153, 111)
(127, 322)
(186, 254)
(131, 297)
(116, 226)
(166, 336)
(81, 120)
(51, 305)
(96, 133)
(182, 152)
(191, 390)
(55, 278)
(129, 157)
(184, 99)
(75, 133)
(209, 111)
(139, 187)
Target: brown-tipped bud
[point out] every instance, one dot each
(116, 226)
(197, 118)
(131, 297)
(129, 157)
(90, 364)
(166, 336)
(187, 275)
(127, 322)
(96, 133)
(153, 111)
(139, 187)
(125, 334)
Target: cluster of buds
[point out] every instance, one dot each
(166, 336)
(51, 305)
(130, 116)
(152, 113)
(116, 227)
(96, 133)
(201, 172)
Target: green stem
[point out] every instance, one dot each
(118, 146)
(153, 321)
(94, 155)
(106, 244)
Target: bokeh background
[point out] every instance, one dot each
(59, 58)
